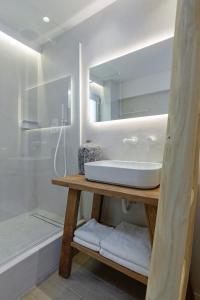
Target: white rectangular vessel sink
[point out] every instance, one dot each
(144, 175)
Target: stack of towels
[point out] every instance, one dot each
(127, 244)
(91, 234)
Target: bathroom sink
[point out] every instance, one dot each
(144, 175)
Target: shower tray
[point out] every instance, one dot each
(21, 233)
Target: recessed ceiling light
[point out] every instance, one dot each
(46, 19)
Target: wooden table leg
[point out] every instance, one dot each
(151, 214)
(69, 227)
(97, 207)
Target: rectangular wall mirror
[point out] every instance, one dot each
(133, 85)
(47, 104)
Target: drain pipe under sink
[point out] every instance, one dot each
(126, 205)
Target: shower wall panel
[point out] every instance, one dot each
(59, 59)
(17, 184)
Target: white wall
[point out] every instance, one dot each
(18, 66)
(123, 29)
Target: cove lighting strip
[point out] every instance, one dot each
(129, 121)
(80, 94)
(15, 43)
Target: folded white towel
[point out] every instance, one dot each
(87, 245)
(125, 263)
(130, 243)
(92, 233)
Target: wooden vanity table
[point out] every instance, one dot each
(76, 185)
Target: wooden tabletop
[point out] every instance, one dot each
(79, 182)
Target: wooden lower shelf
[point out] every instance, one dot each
(141, 278)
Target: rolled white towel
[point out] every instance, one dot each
(92, 233)
(130, 243)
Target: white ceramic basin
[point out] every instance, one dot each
(144, 175)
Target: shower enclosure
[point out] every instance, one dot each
(39, 133)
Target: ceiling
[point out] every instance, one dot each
(22, 19)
